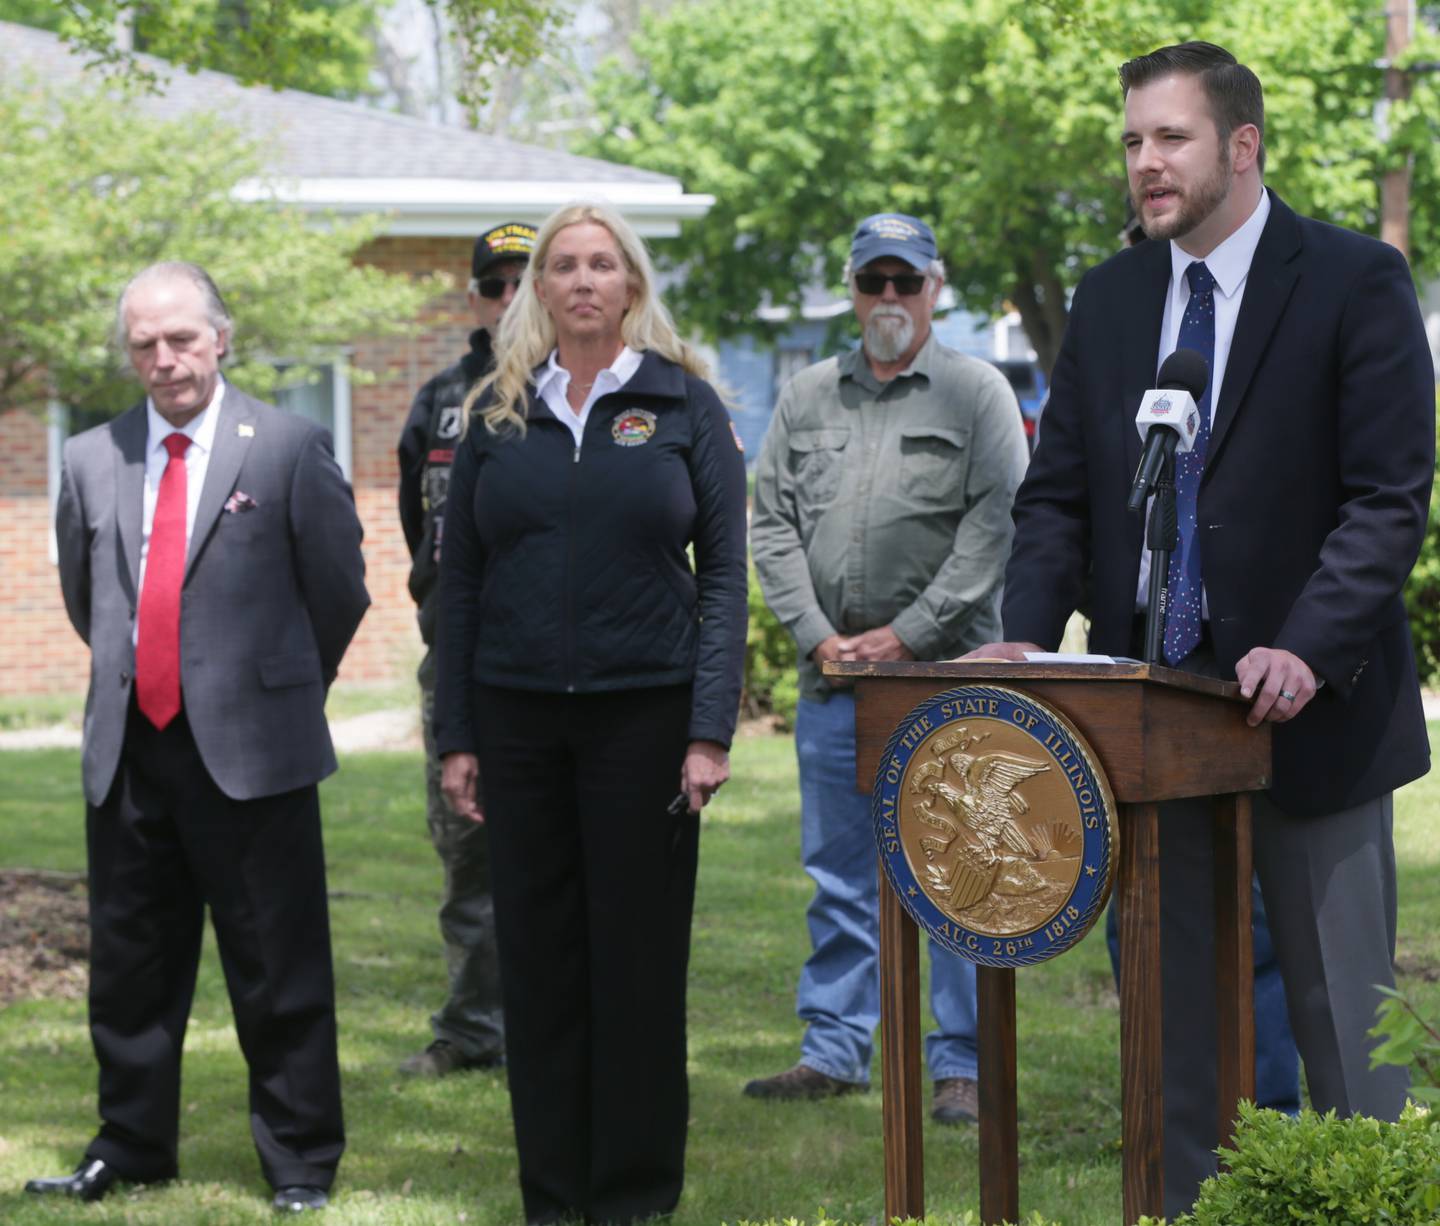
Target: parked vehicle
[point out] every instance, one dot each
(1031, 389)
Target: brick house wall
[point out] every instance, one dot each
(388, 646)
(39, 652)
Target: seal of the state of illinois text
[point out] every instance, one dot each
(996, 825)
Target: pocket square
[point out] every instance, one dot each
(239, 501)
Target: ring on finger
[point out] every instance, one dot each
(1287, 695)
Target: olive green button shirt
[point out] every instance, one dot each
(888, 504)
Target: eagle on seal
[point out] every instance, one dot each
(985, 805)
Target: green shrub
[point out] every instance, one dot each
(1422, 597)
(1408, 1040)
(1322, 1171)
(771, 684)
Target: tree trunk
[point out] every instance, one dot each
(1040, 298)
(1395, 183)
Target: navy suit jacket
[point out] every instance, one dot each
(1313, 503)
(274, 590)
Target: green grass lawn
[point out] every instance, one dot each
(41, 711)
(346, 699)
(442, 1151)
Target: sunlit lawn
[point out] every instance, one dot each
(442, 1152)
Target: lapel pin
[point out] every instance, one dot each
(245, 431)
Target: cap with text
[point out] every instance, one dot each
(513, 241)
(893, 234)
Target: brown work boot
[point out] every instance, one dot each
(442, 1058)
(957, 1101)
(801, 1082)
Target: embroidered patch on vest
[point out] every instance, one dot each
(633, 427)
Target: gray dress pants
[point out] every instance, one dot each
(1329, 889)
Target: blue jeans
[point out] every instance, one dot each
(1277, 1063)
(839, 996)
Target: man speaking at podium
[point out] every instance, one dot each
(1301, 512)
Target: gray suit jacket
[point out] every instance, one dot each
(274, 591)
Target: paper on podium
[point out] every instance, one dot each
(1074, 657)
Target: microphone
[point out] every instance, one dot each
(1169, 418)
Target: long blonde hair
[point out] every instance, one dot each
(527, 333)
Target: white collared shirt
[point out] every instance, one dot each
(1229, 264)
(201, 431)
(553, 386)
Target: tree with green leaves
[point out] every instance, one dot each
(322, 46)
(91, 192)
(996, 120)
(549, 101)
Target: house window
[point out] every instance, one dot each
(56, 432)
(61, 421)
(325, 399)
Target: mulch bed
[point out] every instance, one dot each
(44, 935)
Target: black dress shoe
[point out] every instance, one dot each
(92, 1179)
(299, 1197)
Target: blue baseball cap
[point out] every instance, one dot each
(893, 234)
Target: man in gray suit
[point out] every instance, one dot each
(210, 557)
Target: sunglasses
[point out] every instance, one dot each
(907, 284)
(494, 287)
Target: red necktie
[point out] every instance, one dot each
(157, 648)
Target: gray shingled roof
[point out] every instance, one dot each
(315, 137)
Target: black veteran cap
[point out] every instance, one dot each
(893, 234)
(513, 241)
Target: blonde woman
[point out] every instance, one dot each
(591, 679)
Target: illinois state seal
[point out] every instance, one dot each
(996, 825)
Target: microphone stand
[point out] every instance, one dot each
(1162, 535)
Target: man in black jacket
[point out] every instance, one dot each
(1303, 510)
(469, 1028)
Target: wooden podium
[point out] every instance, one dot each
(1159, 734)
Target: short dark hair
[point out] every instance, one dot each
(1233, 91)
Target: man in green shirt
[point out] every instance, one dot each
(880, 532)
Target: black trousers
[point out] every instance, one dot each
(594, 888)
(165, 844)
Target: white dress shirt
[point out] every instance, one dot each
(553, 386)
(1229, 264)
(201, 431)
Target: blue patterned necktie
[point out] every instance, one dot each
(1182, 618)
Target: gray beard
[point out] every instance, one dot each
(888, 336)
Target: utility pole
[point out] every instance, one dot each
(1395, 184)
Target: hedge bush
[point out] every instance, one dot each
(771, 684)
(1410, 1041)
(1317, 1170)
